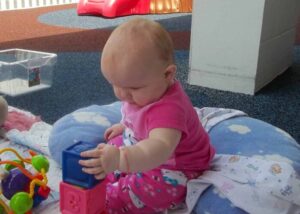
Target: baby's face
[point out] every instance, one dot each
(139, 86)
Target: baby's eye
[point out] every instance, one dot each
(135, 88)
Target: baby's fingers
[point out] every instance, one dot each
(107, 133)
(101, 146)
(100, 175)
(94, 153)
(94, 171)
(90, 162)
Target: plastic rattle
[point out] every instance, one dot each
(24, 188)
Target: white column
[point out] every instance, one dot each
(23, 4)
(41, 3)
(241, 45)
(47, 3)
(26, 3)
(3, 5)
(34, 3)
(11, 4)
(19, 4)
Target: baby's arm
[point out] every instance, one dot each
(145, 155)
(148, 153)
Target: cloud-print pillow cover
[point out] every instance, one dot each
(249, 137)
(86, 124)
(240, 135)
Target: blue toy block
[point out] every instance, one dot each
(72, 170)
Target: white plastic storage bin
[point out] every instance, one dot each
(23, 71)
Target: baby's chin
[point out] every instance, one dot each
(138, 104)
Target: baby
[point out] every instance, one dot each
(159, 144)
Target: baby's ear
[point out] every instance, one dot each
(170, 72)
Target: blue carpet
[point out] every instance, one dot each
(69, 18)
(79, 83)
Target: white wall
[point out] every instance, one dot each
(241, 45)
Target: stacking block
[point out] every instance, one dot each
(75, 200)
(72, 170)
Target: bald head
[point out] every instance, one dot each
(148, 32)
(138, 41)
(137, 60)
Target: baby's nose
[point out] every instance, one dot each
(124, 94)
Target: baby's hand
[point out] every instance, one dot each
(113, 131)
(102, 160)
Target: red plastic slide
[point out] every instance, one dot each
(113, 8)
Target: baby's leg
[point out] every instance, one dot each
(144, 193)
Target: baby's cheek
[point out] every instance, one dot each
(141, 101)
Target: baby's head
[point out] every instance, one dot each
(137, 60)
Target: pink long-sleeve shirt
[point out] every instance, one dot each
(174, 110)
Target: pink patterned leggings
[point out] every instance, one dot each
(147, 192)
